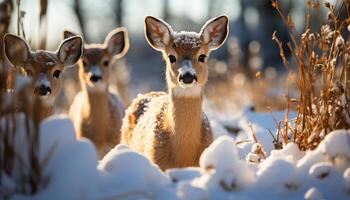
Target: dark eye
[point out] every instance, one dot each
(106, 63)
(29, 72)
(172, 58)
(56, 73)
(202, 58)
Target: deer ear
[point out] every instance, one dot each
(157, 32)
(117, 42)
(214, 32)
(68, 34)
(70, 50)
(16, 49)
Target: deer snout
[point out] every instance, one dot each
(42, 86)
(187, 75)
(95, 78)
(95, 74)
(188, 78)
(42, 90)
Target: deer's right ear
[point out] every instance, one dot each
(70, 50)
(68, 34)
(157, 32)
(16, 49)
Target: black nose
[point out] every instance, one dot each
(42, 90)
(95, 78)
(188, 78)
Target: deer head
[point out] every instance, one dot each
(96, 59)
(44, 67)
(186, 53)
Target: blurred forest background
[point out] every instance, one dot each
(248, 53)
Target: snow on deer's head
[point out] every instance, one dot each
(186, 53)
(96, 59)
(44, 67)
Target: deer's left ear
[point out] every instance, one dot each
(70, 50)
(117, 42)
(68, 34)
(214, 32)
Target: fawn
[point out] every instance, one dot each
(97, 113)
(170, 128)
(43, 67)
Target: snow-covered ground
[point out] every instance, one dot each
(226, 171)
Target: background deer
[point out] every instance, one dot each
(43, 67)
(97, 113)
(170, 128)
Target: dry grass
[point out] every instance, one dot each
(20, 164)
(321, 74)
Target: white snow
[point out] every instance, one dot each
(224, 172)
(342, 148)
(313, 194)
(71, 168)
(127, 174)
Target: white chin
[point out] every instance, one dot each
(188, 90)
(47, 99)
(100, 86)
(184, 85)
(44, 97)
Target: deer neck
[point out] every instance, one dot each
(97, 105)
(184, 119)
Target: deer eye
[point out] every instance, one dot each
(29, 72)
(202, 58)
(106, 63)
(57, 73)
(172, 58)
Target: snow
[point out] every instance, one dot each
(342, 139)
(227, 169)
(283, 170)
(71, 167)
(321, 170)
(144, 180)
(313, 194)
(346, 177)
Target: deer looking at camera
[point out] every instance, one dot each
(97, 113)
(43, 67)
(170, 128)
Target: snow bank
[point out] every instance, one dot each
(223, 171)
(127, 174)
(69, 165)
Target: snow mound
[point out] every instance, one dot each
(336, 143)
(313, 194)
(223, 169)
(69, 165)
(279, 167)
(73, 172)
(221, 154)
(127, 174)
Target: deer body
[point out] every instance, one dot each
(97, 113)
(170, 128)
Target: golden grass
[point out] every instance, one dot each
(320, 73)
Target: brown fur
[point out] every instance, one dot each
(97, 113)
(170, 128)
(42, 63)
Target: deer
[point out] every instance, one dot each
(96, 112)
(43, 68)
(170, 127)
